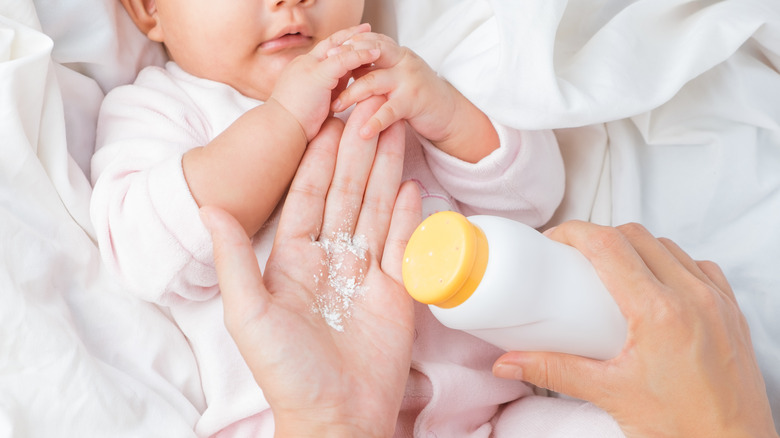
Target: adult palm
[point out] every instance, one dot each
(328, 370)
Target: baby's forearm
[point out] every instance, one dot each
(248, 167)
(471, 136)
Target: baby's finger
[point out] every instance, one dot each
(392, 111)
(339, 65)
(373, 83)
(302, 214)
(382, 188)
(353, 166)
(392, 53)
(320, 51)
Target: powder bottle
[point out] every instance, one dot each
(506, 283)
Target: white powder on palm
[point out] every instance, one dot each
(341, 280)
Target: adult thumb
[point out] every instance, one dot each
(244, 295)
(576, 376)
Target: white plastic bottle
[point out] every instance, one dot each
(506, 283)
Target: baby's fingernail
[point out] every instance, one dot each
(548, 231)
(336, 105)
(365, 132)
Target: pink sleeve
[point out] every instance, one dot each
(552, 417)
(523, 179)
(147, 223)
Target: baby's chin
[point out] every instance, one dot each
(253, 91)
(259, 89)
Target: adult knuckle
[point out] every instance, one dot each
(668, 310)
(663, 312)
(709, 267)
(632, 229)
(708, 300)
(307, 189)
(604, 239)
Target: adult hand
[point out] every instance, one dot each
(328, 371)
(688, 367)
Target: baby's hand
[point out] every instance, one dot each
(414, 91)
(306, 85)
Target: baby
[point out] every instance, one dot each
(226, 122)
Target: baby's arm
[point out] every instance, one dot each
(246, 169)
(431, 105)
(488, 168)
(523, 179)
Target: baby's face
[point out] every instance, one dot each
(246, 43)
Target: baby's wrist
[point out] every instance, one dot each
(468, 134)
(288, 118)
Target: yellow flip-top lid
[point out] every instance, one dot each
(444, 260)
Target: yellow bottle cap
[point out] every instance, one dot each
(444, 260)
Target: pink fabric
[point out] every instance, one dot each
(151, 238)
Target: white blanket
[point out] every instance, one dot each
(77, 356)
(668, 112)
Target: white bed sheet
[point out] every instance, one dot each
(668, 113)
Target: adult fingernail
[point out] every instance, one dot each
(508, 371)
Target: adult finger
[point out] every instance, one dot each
(715, 273)
(407, 215)
(706, 271)
(686, 261)
(353, 166)
(667, 268)
(382, 188)
(576, 376)
(615, 260)
(244, 295)
(303, 209)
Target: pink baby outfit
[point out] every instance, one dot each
(151, 237)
